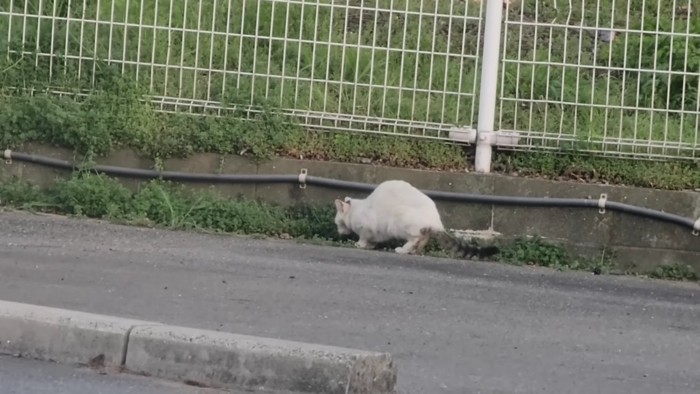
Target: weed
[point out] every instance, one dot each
(313, 222)
(535, 251)
(679, 272)
(164, 204)
(239, 216)
(24, 196)
(92, 195)
(81, 127)
(158, 202)
(117, 117)
(577, 167)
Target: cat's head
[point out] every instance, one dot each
(342, 211)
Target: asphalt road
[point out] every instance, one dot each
(453, 326)
(21, 376)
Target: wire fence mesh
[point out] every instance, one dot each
(392, 66)
(610, 76)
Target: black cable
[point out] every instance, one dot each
(358, 187)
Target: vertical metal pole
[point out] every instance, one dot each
(489, 85)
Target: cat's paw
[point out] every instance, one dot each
(402, 250)
(361, 244)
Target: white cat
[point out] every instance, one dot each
(396, 210)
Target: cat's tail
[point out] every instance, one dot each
(460, 247)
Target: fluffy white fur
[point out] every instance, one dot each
(394, 210)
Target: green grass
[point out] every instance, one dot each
(113, 115)
(678, 272)
(671, 175)
(117, 118)
(268, 58)
(164, 204)
(535, 251)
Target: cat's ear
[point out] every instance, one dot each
(342, 206)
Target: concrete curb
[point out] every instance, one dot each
(38, 332)
(185, 354)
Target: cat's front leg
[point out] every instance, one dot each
(364, 244)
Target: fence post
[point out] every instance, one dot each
(485, 137)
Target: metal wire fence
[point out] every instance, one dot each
(611, 76)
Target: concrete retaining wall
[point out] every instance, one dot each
(639, 244)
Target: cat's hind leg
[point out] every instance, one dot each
(409, 247)
(422, 241)
(415, 244)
